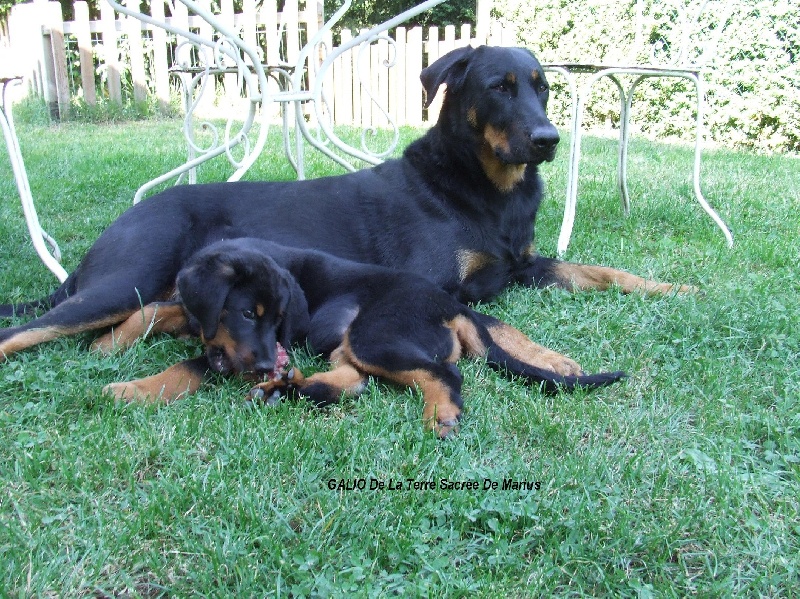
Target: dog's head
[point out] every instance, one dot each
(245, 304)
(500, 95)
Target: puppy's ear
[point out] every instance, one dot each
(296, 319)
(204, 285)
(450, 68)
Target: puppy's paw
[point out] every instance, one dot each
(442, 419)
(130, 392)
(270, 392)
(446, 429)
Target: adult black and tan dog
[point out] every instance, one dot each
(247, 297)
(458, 209)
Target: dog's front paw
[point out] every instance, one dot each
(123, 391)
(270, 392)
(130, 391)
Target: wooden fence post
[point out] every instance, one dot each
(56, 82)
(434, 53)
(160, 65)
(86, 58)
(133, 29)
(397, 92)
(414, 93)
(229, 81)
(343, 85)
(483, 21)
(108, 25)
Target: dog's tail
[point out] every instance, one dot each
(27, 308)
(23, 309)
(550, 381)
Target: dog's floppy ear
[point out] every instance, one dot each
(204, 285)
(296, 319)
(449, 69)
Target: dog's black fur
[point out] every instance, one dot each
(246, 295)
(458, 209)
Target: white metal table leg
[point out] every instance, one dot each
(624, 135)
(39, 237)
(698, 149)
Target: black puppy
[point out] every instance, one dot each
(250, 296)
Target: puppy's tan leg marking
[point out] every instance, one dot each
(174, 383)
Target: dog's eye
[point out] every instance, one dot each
(249, 314)
(542, 88)
(502, 87)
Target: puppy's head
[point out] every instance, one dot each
(244, 303)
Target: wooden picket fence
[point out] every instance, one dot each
(120, 59)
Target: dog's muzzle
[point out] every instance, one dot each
(544, 142)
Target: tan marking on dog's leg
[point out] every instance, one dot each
(174, 383)
(519, 346)
(466, 339)
(30, 337)
(578, 277)
(153, 318)
(27, 339)
(343, 378)
(440, 413)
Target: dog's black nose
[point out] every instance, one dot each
(545, 138)
(264, 366)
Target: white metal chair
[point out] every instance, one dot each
(41, 240)
(219, 48)
(673, 38)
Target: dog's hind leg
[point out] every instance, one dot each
(424, 359)
(68, 318)
(158, 317)
(106, 303)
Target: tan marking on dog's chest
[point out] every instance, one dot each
(470, 262)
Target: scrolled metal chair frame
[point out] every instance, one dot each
(227, 52)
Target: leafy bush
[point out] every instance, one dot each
(752, 90)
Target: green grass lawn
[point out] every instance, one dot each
(682, 480)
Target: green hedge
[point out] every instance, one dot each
(753, 82)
